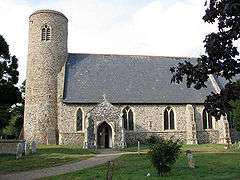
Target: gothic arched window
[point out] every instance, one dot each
(207, 120)
(79, 120)
(169, 120)
(46, 33)
(165, 119)
(128, 118)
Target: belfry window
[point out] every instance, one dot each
(128, 118)
(79, 124)
(169, 121)
(46, 33)
(207, 120)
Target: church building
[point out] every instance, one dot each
(108, 100)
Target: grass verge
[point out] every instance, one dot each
(46, 156)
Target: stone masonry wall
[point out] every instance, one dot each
(144, 115)
(10, 146)
(71, 138)
(67, 116)
(208, 136)
(45, 59)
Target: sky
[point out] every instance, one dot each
(143, 27)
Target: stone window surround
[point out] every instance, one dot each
(213, 122)
(46, 27)
(175, 119)
(134, 119)
(83, 121)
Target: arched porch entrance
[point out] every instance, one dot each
(104, 135)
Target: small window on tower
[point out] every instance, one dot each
(43, 34)
(46, 33)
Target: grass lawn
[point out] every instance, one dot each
(210, 148)
(212, 160)
(193, 148)
(46, 156)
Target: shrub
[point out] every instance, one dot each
(152, 140)
(164, 154)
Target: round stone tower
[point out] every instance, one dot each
(47, 53)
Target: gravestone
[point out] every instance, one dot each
(138, 147)
(190, 159)
(19, 152)
(34, 147)
(26, 148)
(110, 170)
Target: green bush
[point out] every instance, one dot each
(152, 140)
(164, 154)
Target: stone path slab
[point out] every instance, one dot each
(63, 169)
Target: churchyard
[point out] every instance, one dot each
(212, 161)
(135, 167)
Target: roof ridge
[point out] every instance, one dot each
(134, 55)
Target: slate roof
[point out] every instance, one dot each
(126, 79)
(222, 81)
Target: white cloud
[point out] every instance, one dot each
(95, 26)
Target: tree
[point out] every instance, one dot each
(235, 114)
(9, 92)
(221, 59)
(4, 117)
(164, 154)
(15, 121)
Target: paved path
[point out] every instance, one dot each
(57, 170)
